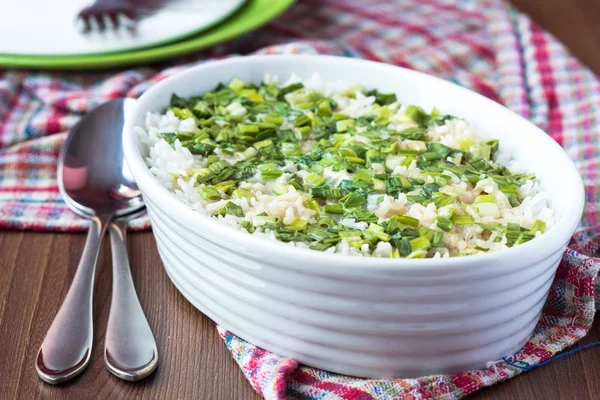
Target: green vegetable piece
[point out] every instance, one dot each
(241, 192)
(438, 239)
(209, 193)
(313, 205)
(416, 199)
(323, 107)
(248, 129)
(513, 232)
(236, 84)
(439, 148)
(315, 180)
(263, 143)
(444, 224)
(249, 153)
(291, 149)
(509, 189)
(414, 134)
(268, 174)
(481, 150)
(356, 160)
(441, 180)
(321, 246)
(273, 119)
(203, 149)
(405, 220)
(352, 200)
(296, 184)
(488, 198)
(226, 186)
(403, 246)
(247, 225)
(178, 102)
(297, 224)
(343, 125)
(431, 156)
(417, 114)
(428, 189)
(442, 199)
(417, 254)
(333, 209)
(302, 120)
(378, 231)
(420, 243)
(513, 200)
(233, 209)
(538, 226)
(379, 186)
(479, 164)
(462, 220)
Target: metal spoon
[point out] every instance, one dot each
(95, 182)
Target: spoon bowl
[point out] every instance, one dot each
(93, 177)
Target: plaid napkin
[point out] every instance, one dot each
(481, 44)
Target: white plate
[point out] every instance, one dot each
(47, 27)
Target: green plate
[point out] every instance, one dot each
(251, 16)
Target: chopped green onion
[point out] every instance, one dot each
(343, 125)
(444, 224)
(538, 226)
(513, 200)
(302, 120)
(462, 220)
(226, 186)
(233, 209)
(270, 174)
(241, 192)
(513, 231)
(509, 189)
(378, 231)
(273, 119)
(403, 247)
(248, 129)
(417, 254)
(405, 220)
(315, 180)
(420, 243)
(333, 209)
(209, 193)
(263, 143)
(356, 160)
(489, 198)
(442, 199)
(298, 224)
(488, 210)
(438, 239)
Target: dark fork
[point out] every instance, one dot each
(114, 14)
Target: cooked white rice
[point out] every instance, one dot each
(171, 164)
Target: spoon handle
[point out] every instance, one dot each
(130, 349)
(66, 349)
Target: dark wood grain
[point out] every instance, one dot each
(35, 272)
(36, 269)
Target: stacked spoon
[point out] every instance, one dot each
(95, 183)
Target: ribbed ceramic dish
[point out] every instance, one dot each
(361, 316)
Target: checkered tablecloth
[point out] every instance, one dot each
(483, 45)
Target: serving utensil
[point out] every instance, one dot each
(95, 183)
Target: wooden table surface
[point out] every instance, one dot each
(36, 269)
